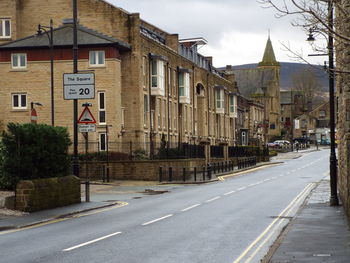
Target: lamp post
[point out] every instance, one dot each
(50, 37)
(334, 201)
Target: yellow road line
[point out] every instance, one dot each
(274, 229)
(222, 178)
(120, 204)
(283, 213)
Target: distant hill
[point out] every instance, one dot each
(288, 69)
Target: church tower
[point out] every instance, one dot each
(270, 73)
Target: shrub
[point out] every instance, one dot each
(32, 151)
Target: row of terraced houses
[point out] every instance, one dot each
(151, 88)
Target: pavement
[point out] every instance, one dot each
(319, 232)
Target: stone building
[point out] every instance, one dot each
(314, 125)
(343, 93)
(292, 106)
(262, 84)
(26, 79)
(156, 87)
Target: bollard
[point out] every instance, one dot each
(214, 168)
(203, 173)
(222, 167)
(170, 174)
(160, 174)
(107, 173)
(103, 174)
(195, 173)
(184, 174)
(87, 191)
(209, 171)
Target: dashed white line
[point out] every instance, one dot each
(189, 208)
(213, 199)
(242, 188)
(231, 192)
(156, 220)
(92, 241)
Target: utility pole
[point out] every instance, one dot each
(75, 101)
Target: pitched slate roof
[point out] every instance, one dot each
(63, 36)
(250, 81)
(286, 96)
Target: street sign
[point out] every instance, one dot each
(33, 116)
(78, 86)
(87, 128)
(86, 116)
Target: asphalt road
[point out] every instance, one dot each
(235, 220)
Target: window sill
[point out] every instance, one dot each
(97, 66)
(20, 110)
(19, 70)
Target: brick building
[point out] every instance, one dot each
(153, 87)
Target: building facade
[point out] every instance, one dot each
(262, 85)
(152, 88)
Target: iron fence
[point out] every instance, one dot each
(139, 151)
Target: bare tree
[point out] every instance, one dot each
(307, 82)
(312, 16)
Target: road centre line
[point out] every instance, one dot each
(241, 188)
(156, 220)
(231, 192)
(285, 212)
(189, 208)
(92, 241)
(213, 199)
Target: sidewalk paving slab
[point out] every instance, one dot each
(319, 233)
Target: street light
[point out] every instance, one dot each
(49, 34)
(334, 201)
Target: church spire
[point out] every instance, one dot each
(269, 58)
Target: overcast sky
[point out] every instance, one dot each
(236, 30)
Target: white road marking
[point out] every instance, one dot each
(231, 192)
(189, 208)
(213, 199)
(156, 220)
(269, 231)
(242, 188)
(92, 241)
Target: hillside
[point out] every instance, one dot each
(288, 69)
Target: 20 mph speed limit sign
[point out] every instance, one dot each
(79, 86)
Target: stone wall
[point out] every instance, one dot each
(141, 170)
(40, 194)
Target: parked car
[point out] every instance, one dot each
(272, 144)
(281, 142)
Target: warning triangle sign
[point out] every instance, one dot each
(86, 116)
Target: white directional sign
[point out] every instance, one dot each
(79, 86)
(87, 127)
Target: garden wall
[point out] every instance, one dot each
(40, 194)
(139, 170)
